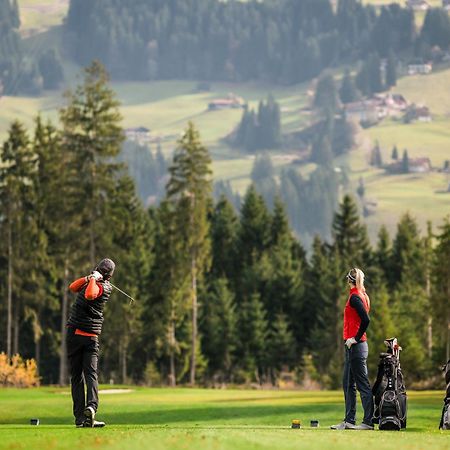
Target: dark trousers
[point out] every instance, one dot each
(83, 360)
(356, 377)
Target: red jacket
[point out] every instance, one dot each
(352, 321)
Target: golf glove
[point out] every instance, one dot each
(349, 342)
(97, 275)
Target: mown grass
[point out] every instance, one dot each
(195, 418)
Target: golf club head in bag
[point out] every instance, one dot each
(445, 417)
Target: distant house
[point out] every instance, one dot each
(416, 165)
(417, 5)
(390, 104)
(423, 114)
(446, 4)
(363, 111)
(138, 134)
(420, 69)
(419, 113)
(231, 101)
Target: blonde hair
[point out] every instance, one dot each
(359, 276)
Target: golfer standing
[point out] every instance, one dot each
(356, 321)
(84, 327)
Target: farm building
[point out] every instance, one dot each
(419, 69)
(416, 165)
(138, 134)
(417, 5)
(417, 113)
(231, 101)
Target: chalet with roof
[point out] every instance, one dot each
(417, 5)
(231, 101)
(140, 135)
(363, 111)
(417, 113)
(419, 68)
(416, 165)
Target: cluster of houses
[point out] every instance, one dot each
(231, 101)
(423, 5)
(380, 106)
(376, 108)
(415, 165)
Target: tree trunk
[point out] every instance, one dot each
(172, 378)
(430, 319)
(123, 362)
(10, 278)
(63, 348)
(194, 317)
(37, 352)
(16, 328)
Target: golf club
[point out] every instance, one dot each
(124, 293)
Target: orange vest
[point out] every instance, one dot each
(351, 319)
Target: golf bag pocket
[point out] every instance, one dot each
(445, 419)
(390, 412)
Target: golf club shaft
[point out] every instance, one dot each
(124, 293)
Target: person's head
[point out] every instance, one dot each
(106, 267)
(356, 278)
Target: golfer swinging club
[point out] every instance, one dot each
(84, 327)
(356, 321)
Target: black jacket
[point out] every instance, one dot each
(87, 315)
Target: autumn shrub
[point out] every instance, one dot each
(17, 372)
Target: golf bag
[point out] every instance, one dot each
(389, 390)
(445, 418)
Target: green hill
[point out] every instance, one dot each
(166, 106)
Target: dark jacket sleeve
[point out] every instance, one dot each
(357, 303)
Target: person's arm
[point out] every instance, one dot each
(357, 303)
(78, 284)
(93, 290)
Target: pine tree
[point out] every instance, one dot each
(189, 190)
(18, 223)
(376, 159)
(394, 154)
(405, 162)
(92, 133)
(254, 230)
(382, 253)
(350, 235)
(130, 224)
(219, 329)
(407, 253)
(348, 91)
(441, 292)
(224, 229)
(391, 70)
(51, 69)
(253, 332)
(321, 152)
(281, 346)
(326, 98)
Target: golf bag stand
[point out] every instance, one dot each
(389, 390)
(445, 418)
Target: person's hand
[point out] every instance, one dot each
(96, 275)
(349, 342)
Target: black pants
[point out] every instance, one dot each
(356, 376)
(83, 360)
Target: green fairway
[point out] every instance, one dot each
(194, 418)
